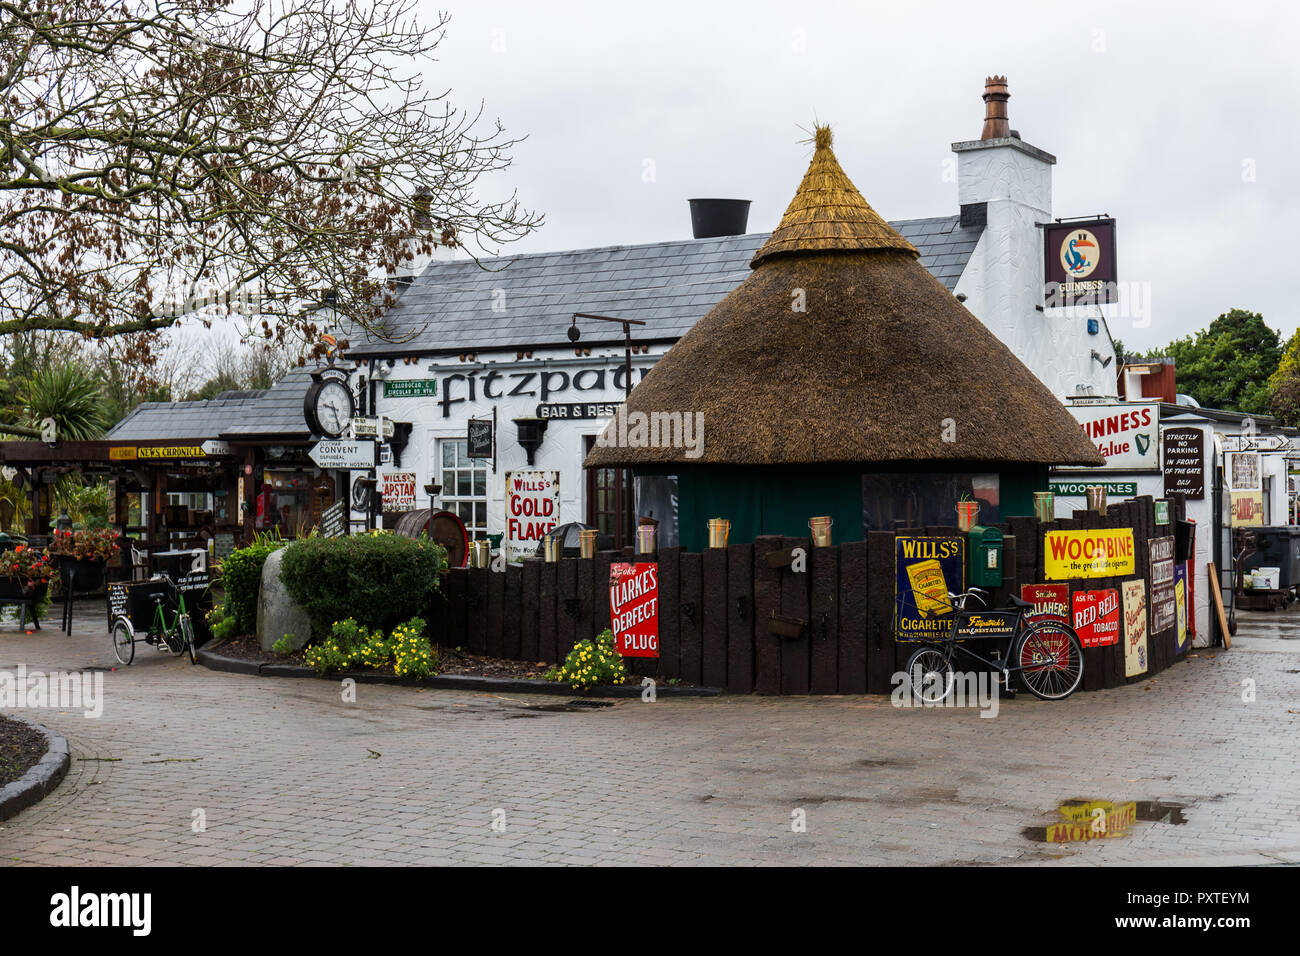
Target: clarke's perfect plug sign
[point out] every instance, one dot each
(634, 608)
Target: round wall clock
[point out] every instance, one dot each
(329, 406)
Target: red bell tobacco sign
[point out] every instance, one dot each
(634, 608)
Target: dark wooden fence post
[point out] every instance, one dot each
(548, 645)
(767, 599)
(824, 622)
(494, 640)
(512, 619)
(796, 651)
(477, 599)
(566, 607)
(852, 666)
(690, 614)
(670, 666)
(530, 586)
(713, 634)
(740, 618)
(880, 612)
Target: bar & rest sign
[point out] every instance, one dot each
(634, 608)
(1094, 553)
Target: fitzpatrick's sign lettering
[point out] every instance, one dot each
(634, 608)
(925, 571)
(532, 509)
(1127, 434)
(1096, 617)
(1101, 553)
(987, 624)
(1080, 267)
(539, 384)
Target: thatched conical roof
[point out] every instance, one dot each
(841, 348)
(829, 214)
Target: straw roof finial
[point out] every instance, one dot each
(828, 214)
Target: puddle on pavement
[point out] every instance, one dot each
(571, 706)
(1082, 820)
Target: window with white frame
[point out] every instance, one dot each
(464, 485)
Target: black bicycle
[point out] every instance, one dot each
(1046, 656)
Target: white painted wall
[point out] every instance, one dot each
(562, 447)
(1003, 282)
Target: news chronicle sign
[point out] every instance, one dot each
(1126, 433)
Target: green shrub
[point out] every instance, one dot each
(241, 575)
(592, 662)
(220, 624)
(378, 580)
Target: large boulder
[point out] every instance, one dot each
(279, 614)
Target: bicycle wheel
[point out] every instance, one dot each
(1049, 659)
(187, 632)
(123, 641)
(929, 670)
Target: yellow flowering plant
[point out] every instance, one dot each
(351, 645)
(592, 662)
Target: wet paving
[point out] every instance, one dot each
(1199, 764)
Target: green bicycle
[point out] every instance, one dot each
(158, 612)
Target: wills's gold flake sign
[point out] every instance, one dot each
(925, 571)
(1100, 553)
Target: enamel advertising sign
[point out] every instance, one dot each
(1126, 433)
(532, 509)
(1098, 553)
(925, 571)
(1180, 606)
(634, 608)
(1051, 602)
(1135, 628)
(1096, 617)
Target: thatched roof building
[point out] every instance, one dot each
(841, 351)
(841, 347)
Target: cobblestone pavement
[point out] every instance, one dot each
(285, 772)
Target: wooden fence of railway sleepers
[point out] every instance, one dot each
(717, 608)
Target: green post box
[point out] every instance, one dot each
(984, 556)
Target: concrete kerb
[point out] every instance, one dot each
(213, 660)
(41, 778)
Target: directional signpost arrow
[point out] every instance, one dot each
(212, 447)
(343, 454)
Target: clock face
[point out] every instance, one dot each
(333, 408)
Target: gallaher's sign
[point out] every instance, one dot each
(1080, 262)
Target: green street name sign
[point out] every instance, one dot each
(411, 388)
(1129, 488)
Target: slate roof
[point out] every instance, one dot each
(670, 285)
(276, 412)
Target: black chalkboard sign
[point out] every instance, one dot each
(480, 438)
(117, 598)
(332, 521)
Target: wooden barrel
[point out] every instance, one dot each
(443, 527)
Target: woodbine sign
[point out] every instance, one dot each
(1103, 553)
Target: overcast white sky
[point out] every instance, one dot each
(1152, 110)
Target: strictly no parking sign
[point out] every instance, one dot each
(634, 608)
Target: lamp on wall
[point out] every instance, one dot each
(531, 431)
